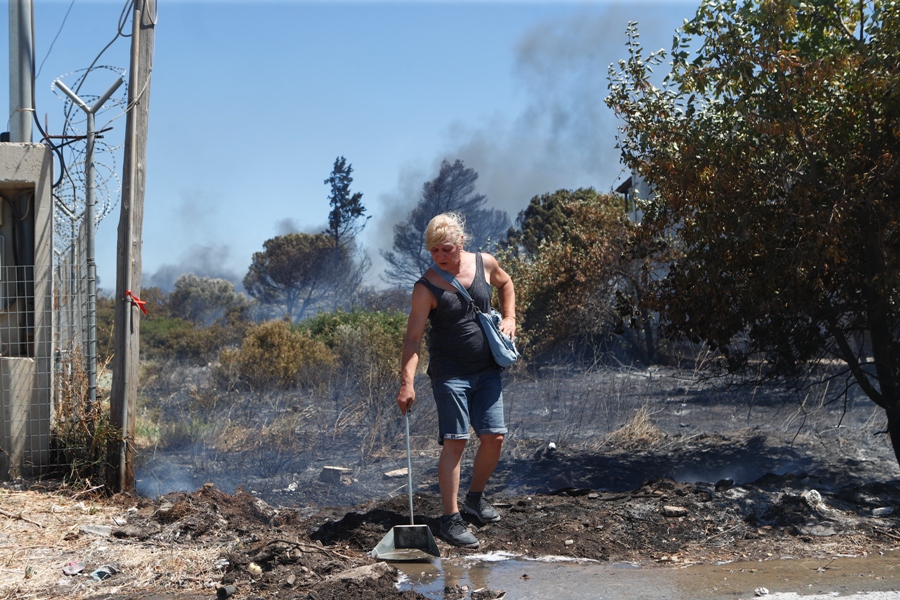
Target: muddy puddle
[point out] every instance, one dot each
(856, 577)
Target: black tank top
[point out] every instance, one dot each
(457, 346)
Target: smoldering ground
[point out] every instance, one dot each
(659, 467)
(607, 429)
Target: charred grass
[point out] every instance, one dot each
(619, 464)
(604, 428)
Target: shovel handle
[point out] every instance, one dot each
(409, 472)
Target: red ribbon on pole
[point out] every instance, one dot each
(135, 301)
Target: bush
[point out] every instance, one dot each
(274, 355)
(567, 285)
(174, 338)
(325, 325)
(366, 344)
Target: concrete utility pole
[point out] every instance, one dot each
(21, 70)
(123, 400)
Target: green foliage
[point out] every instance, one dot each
(774, 150)
(275, 355)
(325, 325)
(170, 338)
(366, 344)
(346, 208)
(566, 288)
(203, 299)
(294, 272)
(367, 347)
(167, 337)
(156, 330)
(345, 222)
(545, 218)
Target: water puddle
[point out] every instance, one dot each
(869, 578)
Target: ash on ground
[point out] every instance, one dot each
(653, 467)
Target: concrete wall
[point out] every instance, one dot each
(26, 378)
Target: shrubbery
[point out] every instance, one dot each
(566, 282)
(365, 343)
(267, 392)
(276, 355)
(174, 338)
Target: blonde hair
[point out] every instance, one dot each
(446, 228)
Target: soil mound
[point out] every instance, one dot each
(662, 521)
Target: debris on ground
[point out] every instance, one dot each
(209, 541)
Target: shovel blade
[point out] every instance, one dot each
(406, 543)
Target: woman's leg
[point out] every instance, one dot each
(486, 460)
(448, 474)
(486, 411)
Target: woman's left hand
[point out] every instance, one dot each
(508, 327)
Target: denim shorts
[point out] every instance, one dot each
(476, 400)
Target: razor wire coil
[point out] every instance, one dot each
(70, 194)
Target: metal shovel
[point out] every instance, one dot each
(407, 543)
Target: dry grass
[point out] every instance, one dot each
(41, 532)
(639, 431)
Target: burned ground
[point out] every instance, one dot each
(696, 479)
(280, 552)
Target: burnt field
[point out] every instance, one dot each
(652, 467)
(607, 429)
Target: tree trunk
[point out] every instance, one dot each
(893, 416)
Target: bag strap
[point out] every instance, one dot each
(455, 283)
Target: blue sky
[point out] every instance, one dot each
(251, 102)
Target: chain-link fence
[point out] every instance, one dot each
(48, 424)
(26, 378)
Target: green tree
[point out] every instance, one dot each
(773, 146)
(202, 300)
(567, 284)
(452, 190)
(294, 274)
(346, 208)
(345, 222)
(545, 218)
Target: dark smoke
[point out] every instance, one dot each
(286, 226)
(565, 136)
(199, 217)
(203, 261)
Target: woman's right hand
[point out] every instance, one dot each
(405, 397)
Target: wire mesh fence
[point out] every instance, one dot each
(25, 371)
(46, 422)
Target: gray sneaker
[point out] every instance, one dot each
(457, 533)
(483, 511)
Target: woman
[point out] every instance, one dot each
(464, 377)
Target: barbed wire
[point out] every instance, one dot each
(70, 193)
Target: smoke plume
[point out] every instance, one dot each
(565, 136)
